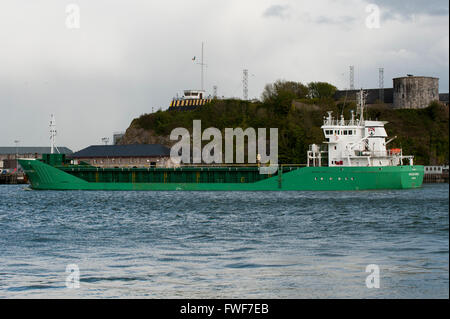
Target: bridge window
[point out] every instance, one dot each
(345, 132)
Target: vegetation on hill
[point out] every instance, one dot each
(297, 111)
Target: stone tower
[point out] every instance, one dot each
(415, 92)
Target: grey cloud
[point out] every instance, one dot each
(278, 11)
(409, 8)
(334, 20)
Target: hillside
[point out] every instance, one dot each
(423, 133)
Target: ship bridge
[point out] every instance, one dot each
(355, 142)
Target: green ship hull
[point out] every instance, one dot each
(60, 176)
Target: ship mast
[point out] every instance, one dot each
(361, 101)
(52, 134)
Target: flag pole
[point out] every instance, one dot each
(202, 65)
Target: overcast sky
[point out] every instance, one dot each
(130, 56)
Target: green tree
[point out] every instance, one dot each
(295, 89)
(321, 90)
(280, 95)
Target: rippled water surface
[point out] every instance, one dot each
(224, 244)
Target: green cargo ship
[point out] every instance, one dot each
(55, 175)
(353, 157)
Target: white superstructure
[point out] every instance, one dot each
(355, 142)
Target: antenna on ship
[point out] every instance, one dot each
(361, 100)
(52, 134)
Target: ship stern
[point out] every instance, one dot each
(412, 176)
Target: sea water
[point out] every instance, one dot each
(99, 244)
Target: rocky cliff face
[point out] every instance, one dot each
(136, 135)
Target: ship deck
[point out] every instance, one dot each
(184, 174)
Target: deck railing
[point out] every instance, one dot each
(334, 122)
